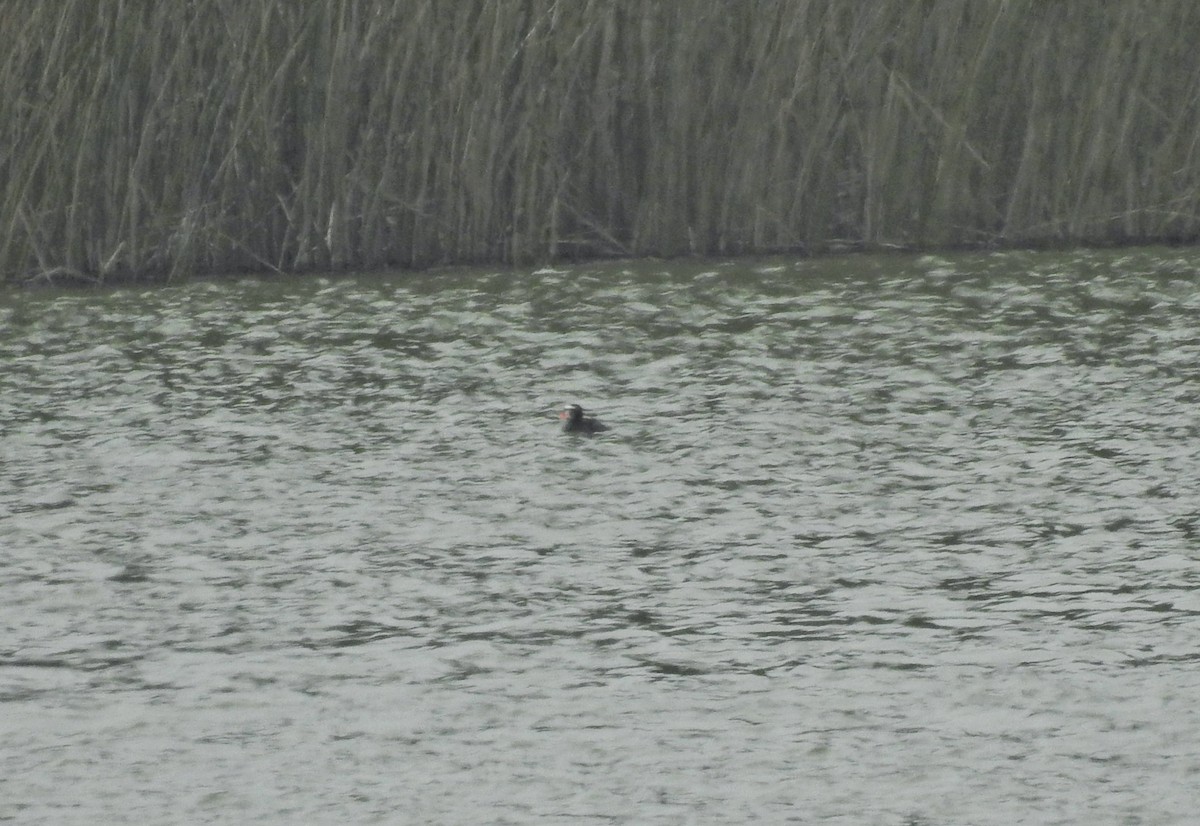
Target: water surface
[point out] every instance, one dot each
(893, 540)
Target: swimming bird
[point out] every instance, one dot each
(575, 422)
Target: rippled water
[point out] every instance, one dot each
(888, 540)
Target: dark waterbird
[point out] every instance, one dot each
(575, 422)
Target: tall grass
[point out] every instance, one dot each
(151, 140)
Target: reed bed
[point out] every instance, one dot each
(153, 140)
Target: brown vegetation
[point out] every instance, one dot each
(158, 139)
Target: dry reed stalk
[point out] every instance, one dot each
(156, 140)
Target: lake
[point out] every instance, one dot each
(888, 539)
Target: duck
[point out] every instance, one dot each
(575, 422)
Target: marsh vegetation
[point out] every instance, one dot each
(152, 140)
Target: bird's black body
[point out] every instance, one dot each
(575, 422)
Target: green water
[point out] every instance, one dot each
(871, 539)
